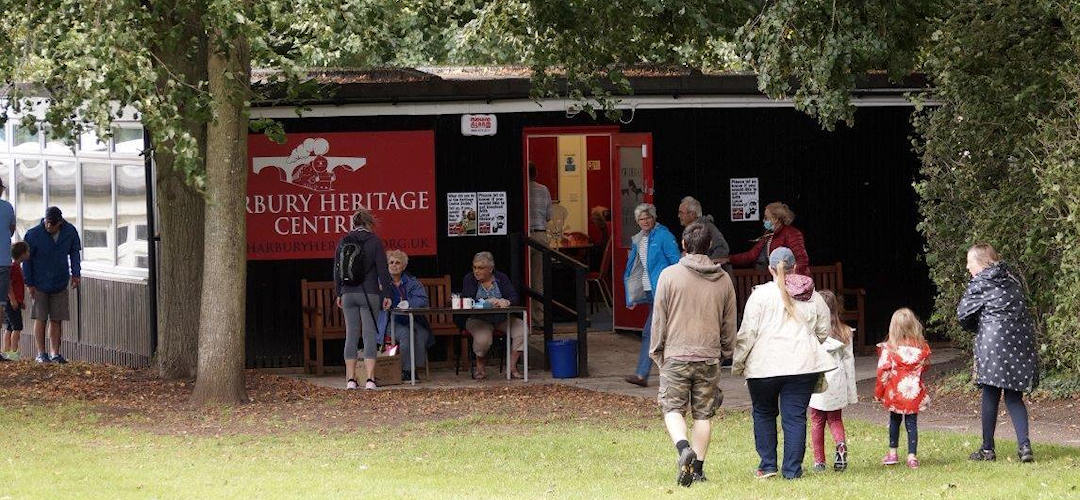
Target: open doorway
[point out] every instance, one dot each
(595, 177)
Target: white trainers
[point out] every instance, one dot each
(370, 385)
(350, 385)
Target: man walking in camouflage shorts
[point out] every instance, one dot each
(693, 328)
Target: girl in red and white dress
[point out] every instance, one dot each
(901, 362)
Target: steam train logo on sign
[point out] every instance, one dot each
(308, 166)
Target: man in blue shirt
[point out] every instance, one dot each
(7, 226)
(53, 245)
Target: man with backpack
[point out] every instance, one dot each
(362, 284)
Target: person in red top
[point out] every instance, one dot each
(779, 233)
(16, 302)
(900, 387)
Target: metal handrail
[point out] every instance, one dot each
(553, 257)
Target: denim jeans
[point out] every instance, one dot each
(644, 362)
(788, 397)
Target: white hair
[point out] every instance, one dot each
(484, 258)
(645, 208)
(692, 206)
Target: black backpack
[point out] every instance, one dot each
(349, 262)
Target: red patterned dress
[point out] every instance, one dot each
(899, 378)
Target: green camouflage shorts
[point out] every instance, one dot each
(690, 383)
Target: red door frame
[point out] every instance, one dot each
(609, 130)
(631, 319)
(624, 318)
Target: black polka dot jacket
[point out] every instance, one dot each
(995, 309)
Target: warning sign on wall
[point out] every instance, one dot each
(744, 199)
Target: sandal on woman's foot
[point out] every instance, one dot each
(351, 385)
(370, 385)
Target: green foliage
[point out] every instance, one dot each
(591, 45)
(988, 173)
(814, 50)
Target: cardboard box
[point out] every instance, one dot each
(387, 369)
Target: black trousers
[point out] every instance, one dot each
(1014, 402)
(911, 424)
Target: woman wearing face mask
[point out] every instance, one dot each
(778, 233)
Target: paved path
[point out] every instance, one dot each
(611, 357)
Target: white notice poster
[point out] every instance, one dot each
(744, 199)
(491, 213)
(461, 214)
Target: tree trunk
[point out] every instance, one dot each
(180, 222)
(220, 377)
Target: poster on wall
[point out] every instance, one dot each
(461, 214)
(491, 213)
(570, 164)
(744, 199)
(301, 194)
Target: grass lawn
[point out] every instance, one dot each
(64, 451)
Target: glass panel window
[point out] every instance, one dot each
(89, 143)
(97, 213)
(62, 178)
(3, 137)
(131, 215)
(55, 145)
(29, 205)
(23, 141)
(128, 139)
(631, 187)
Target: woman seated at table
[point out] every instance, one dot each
(493, 287)
(407, 292)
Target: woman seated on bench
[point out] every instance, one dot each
(494, 287)
(407, 292)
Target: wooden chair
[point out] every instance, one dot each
(321, 321)
(830, 277)
(599, 278)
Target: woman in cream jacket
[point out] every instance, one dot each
(778, 350)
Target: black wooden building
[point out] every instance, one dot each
(851, 189)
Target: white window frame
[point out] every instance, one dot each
(77, 156)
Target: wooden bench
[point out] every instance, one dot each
(829, 277)
(322, 320)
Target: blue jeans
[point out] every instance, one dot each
(644, 362)
(787, 396)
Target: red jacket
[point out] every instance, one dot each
(18, 286)
(787, 236)
(899, 384)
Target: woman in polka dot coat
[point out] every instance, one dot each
(995, 309)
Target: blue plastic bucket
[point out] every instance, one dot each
(563, 357)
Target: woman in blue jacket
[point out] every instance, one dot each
(406, 292)
(653, 249)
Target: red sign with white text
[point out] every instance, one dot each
(302, 194)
